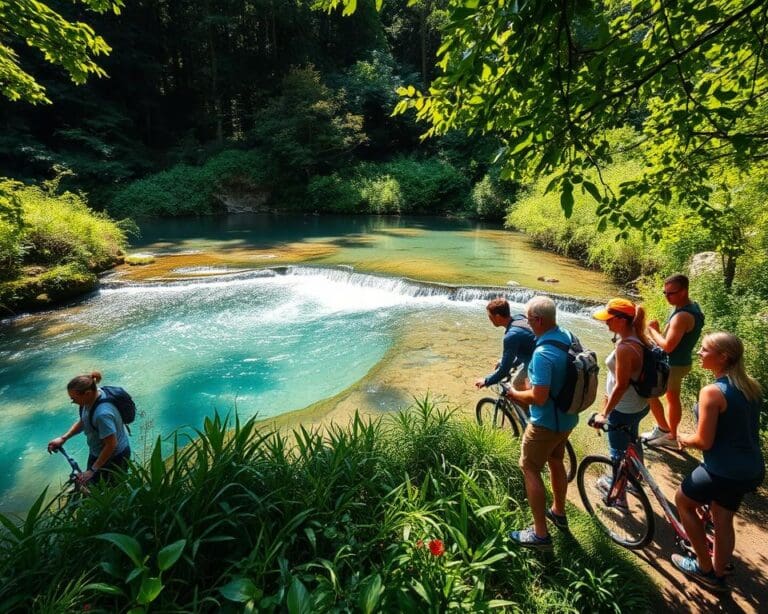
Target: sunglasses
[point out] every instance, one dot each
(670, 293)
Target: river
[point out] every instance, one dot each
(267, 315)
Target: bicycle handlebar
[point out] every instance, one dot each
(72, 462)
(605, 427)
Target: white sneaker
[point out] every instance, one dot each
(655, 437)
(604, 483)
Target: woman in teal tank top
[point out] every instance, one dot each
(727, 417)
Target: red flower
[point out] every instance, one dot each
(436, 547)
(419, 543)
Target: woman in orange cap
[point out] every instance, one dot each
(622, 404)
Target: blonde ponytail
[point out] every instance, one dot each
(732, 348)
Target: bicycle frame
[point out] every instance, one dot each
(632, 464)
(632, 461)
(519, 414)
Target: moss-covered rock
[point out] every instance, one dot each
(42, 290)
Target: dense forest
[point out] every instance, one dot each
(246, 104)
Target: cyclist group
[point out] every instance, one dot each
(727, 415)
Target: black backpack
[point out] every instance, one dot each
(120, 398)
(653, 379)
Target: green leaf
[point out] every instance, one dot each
(592, 189)
(241, 590)
(299, 600)
(369, 598)
(566, 198)
(102, 587)
(126, 543)
(150, 589)
(170, 554)
(486, 510)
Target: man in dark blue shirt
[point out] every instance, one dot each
(518, 345)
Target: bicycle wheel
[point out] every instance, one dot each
(493, 412)
(629, 525)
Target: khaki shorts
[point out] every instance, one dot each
(540, 445)
(676, 377)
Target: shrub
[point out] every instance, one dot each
(189, 190)
(489, 199)
(334, 193)
(426, 186)
(403, 514)
(382, 194)
(540, 216)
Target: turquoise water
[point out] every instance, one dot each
(430, 249)
(264, 344)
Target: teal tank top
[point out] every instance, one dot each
(681, 355)
(735, 453)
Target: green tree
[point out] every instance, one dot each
(69, 44)
(550, 77)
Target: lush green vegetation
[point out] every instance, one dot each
(550, 79)
(235, 100)
(342, 521)
(730, 284)
(52, 245)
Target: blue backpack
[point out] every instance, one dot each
(120, 398)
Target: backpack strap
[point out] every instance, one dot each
(558, 344)
(102, 399)
(565, 347)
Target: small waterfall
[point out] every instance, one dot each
(345, 274)
(415, 288)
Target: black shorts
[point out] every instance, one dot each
(705, 487)
(119, 460)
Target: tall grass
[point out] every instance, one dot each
(406, 513)
(56, 228)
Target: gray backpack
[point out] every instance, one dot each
(580, 387)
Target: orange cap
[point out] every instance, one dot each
(616, 308)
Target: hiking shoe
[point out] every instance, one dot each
(529, 539)
(560, 521)
(690, 567)
(604, 483)
(655, 437)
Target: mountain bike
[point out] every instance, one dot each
(502, 411)
(615, 497)
(73, 491)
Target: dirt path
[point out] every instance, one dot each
(749, 582)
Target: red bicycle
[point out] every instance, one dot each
(616, 499)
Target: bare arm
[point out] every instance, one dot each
(537, 395)
(711, 403)
(678, 326)
(110, 443)
(55, 444)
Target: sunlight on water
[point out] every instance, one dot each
(265, 342)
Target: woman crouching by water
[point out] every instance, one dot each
(100, 420)
(727, 417)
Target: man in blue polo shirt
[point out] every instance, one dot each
(548, 429)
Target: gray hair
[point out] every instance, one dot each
(542, 307)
